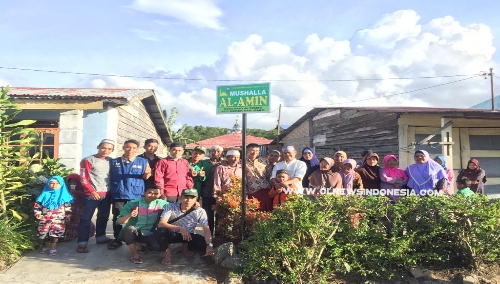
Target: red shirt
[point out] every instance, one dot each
(173, 176)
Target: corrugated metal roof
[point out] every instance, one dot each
(232, 140)
(74, 93)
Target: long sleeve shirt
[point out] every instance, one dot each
(94, 175)
(222, 177)
(173, 176)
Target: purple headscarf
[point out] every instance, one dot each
(424, 176)
(312, 165)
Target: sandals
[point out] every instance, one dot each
(105, 241)
(82, 249)
(166, 262)
(136, 260)
(52, 252)
(44, 250)
(115, 244)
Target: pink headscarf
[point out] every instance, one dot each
(348, 177)
(393, 172)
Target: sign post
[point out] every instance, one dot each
(243, 99)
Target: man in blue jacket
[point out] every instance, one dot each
(127, 175)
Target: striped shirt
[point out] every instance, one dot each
(189, 222)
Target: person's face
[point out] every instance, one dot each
(282, 177)
(392, 163)
(215, 153)
(438, 161)
(324, 166)
(289, 155)
(152, 194)
(54, 184)
(253, 153)
(307, 155)
(188, 201)
(472, 166)
(130, 149)
(151, 148)
(273, 157)
(420, 158)
(459, 185)
(197, 155)
(176, 152)
(346, 167)
(72, 183)
(233, 160)
(372, 161)
(339, 158)
(105, 149)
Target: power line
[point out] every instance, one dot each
(232, 80)
(264, 115)
(397, 94)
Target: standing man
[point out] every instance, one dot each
(150, 147)
(94, 177)
(127, 175)
(199, 167)
(172, 173)
(207, 186)
(273, 157)
(257, 183)
(224, 172)
(295, 168)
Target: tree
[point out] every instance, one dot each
(175, 135)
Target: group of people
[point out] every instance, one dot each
(156, 201)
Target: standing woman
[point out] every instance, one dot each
(339, 158)
(369, 172)
(475, 174)
(324, 178)
(391, 176)
(425, 174)
(449, 172)
(312, 162)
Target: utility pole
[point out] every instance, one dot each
(279, 126)
(492, 93)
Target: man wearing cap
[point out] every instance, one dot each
(257, 183)
(177, 225)
(127, 175)
(224, 172)
(150, 147)
(295, 168)
(172, 173)
(94, 177)
(199, 167)
(207, 186)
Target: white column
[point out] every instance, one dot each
(70, 138)
(447, 137)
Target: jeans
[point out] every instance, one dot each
(117, 208)
(89, 206)
(165, 237)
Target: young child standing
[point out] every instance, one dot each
(52, 208)
(463, 186)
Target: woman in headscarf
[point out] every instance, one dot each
(391, 176)
(77, 191)
(449, 172)
(425, 174)
(324, 178)
(339, 158)
(369, 171)
(475, 174)
(312, 162)
(350, 178)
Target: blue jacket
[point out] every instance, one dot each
(126, 178)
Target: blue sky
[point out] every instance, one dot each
(298, 40)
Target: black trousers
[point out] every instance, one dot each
(116, 209)
(165, 237)
(207, 203)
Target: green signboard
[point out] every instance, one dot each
(243, 98)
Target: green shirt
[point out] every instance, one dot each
(149, 214)
(466, 191)
(197, 180)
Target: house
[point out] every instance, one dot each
(72, 122)
(232, 140)
(461, 134)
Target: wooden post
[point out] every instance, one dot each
(446, 138)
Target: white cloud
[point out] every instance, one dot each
(198, 13)
(146, 35)
(396, 46)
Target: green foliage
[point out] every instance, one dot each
(13, 241)
(308, 242)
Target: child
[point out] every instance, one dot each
(52, 208)
(351, 180)
(463, 186)
(139, 219)
(279, 195)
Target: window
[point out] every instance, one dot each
(48, 143)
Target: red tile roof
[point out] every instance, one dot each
(232, 140)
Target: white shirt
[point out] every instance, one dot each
(296, 169)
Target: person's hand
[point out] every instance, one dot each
(193, 172)
(186, 236)
(209, 251)
(163, 197)
(38, 216)
(95, 196)
(280, 190)
(67, 218)
(202, 172)
(134, 212)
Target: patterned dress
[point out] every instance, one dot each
(52, 223)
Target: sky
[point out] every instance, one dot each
(303, 48)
